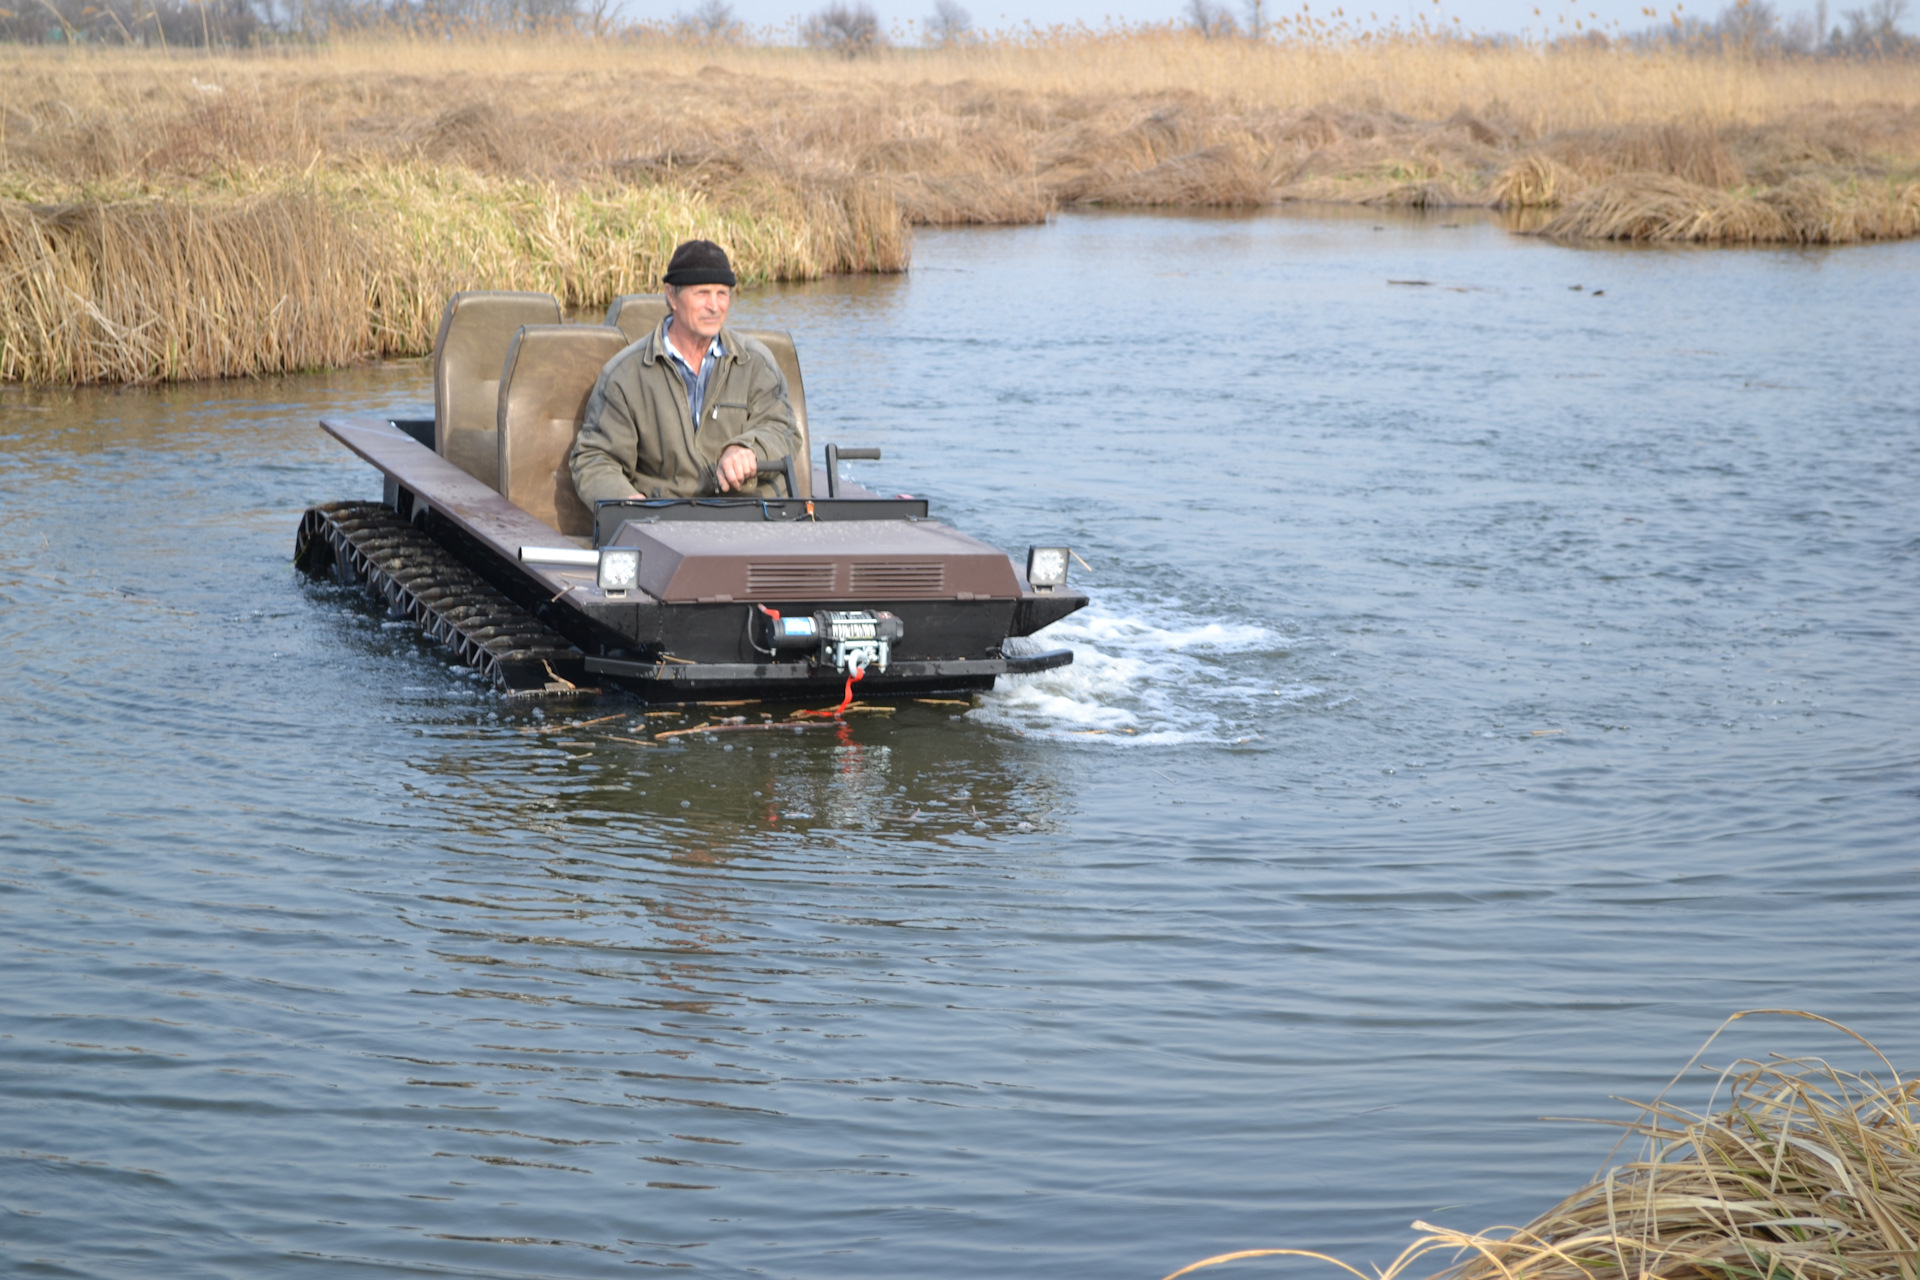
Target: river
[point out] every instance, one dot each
(1491, 684)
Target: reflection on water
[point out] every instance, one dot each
(1489, 685)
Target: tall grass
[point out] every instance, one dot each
(183, 215)
(327, 269)
(1806, 1172)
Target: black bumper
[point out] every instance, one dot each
(671, 680)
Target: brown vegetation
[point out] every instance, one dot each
(166, 216)
(158, 289)
(1807, 1173)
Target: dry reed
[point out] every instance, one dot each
(1803, 210)
(344, 190)
(348, 265)
(1807, 1173)
(146, 289)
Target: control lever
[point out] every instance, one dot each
(782, 467)
(834, 454)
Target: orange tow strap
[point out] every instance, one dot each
(846, 700)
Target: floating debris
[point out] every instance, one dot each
(577, 724)
(762, 727)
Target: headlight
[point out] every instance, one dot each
(619, 570)
(1047, 567)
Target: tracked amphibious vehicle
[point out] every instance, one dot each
(480, 539)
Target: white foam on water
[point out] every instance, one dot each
(1139, 678)
(1097, 627)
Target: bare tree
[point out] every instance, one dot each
(1801, 34)
(597, 18)
(1876, 28)
(708, 20)
(848, 29)
(1211, 19)
(948, 24)
(1257, 18)
(214, 23)
(1749, 26)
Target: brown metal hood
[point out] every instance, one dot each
(687, 562)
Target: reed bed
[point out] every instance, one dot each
(1807, 1172)
(1808, 209)
(340, 266)
(344, 189)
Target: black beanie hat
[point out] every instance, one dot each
(699, 262)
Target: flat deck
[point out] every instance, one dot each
(470, 505)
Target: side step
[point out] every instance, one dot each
(368, 544)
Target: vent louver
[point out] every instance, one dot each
(790, 578)
(889, 581)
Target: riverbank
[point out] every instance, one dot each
(1807, 1171)
(178, 216)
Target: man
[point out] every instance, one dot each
(689, 409)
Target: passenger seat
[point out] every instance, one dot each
(637, 314)
(476, 329)
(549, 373)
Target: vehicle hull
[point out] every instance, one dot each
(957, 599)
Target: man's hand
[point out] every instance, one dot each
(737, 467)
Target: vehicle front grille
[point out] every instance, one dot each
(926, 578)
(790, 579)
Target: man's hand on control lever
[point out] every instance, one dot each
(737, 468)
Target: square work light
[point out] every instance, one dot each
(619, 570)
(1047, 567)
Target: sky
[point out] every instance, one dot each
(1511, 17)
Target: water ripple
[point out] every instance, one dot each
(1508, 690)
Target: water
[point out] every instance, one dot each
(1491, 685)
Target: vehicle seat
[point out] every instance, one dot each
(637, 314)
(780, 342)
(475, 331)
(545, 381)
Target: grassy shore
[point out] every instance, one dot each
(1806, 1172)
(177, 215)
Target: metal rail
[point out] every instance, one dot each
(368, 544)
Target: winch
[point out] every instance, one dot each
(846, 640)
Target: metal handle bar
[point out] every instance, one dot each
(834, 454)
(781, 467)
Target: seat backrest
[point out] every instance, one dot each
(780, 342)
(637, 314)
(475, 331)
(548, 374)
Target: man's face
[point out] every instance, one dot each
(700, 307)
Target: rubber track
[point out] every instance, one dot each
(369, 544)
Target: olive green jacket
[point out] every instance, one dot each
(638, 435)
